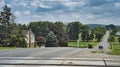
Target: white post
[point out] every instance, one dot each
(78, 43)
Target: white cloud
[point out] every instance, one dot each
(34, 4)
(27, 13)
(9, 5)
(44, 6)
(36, 16)
(117, 4)
(38, 3)
(17, 13)
(2, 2)
(70, 3)
(24, 4)
(90, 16)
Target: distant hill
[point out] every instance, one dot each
(91, 26)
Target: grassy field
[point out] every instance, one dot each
(115, 50)
(82, 44)
(116, 47)
(6, 48)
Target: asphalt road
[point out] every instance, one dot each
(104, 42)
(40, 52)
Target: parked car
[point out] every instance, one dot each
(100, 47)
(90, 46)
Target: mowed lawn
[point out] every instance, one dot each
(82, 44)
(116, 47)
(7, 48)
(116, 50)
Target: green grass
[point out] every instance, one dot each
(116, 47)
(115, 50)
(7, 48)
(82, 44)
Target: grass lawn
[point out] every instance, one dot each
(82, 44)
(116, 47)
(7, 48)
(115, 50)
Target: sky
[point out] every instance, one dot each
(84, 11)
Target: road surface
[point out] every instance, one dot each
(51, 57)
(104, 42)
(40, 52)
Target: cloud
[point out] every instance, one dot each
(85, 11)
(24, 4)
(2, 2)
(27, 13)
(18, 13)
(117, 5)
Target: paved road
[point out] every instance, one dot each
(104, 42)
(40, 52)
(51, 57)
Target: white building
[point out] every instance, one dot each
(29, 38)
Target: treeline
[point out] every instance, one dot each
(58, 33)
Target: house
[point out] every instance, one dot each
(29, 38)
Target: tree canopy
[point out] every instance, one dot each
(73, 30)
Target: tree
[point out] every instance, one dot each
(119, 39)
(85, 33)
(17, 39)
(59, 30)
(23, 27)
(111, 39)
(40, 40)
(40, 28)
(51, 40)
(73, 30)
(99, 32)
(92, 35)
(4, 23)
(113, 32)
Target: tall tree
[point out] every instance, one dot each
(73, 30)
(40, 28)
(51, 40)
(85, 33)
(4, 23)
(91, 35)
(111, 39)
(23, 27)
(59, 30)
(119, 39)
(99, 32)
